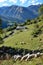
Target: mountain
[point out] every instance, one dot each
(18, 13)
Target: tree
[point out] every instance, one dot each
(1, 31)
(15, 24)
(41, 9)
(0, 26)
(27, 22)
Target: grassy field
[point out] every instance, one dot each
(15, 39)
(34, 61)
(31, 43)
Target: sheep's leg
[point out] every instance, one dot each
(35, 55)
(23, 57)
(27, 58)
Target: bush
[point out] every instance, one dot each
(37, 30)
(28, 22)
(1, 40)
(35, 21)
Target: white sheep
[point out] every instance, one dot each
(30, 56)
(25, 56)
(37, 54)
(16, 57)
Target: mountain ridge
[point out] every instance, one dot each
(18, 14)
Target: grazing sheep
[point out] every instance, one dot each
(25, 56)
(7, 56)
(1, 57)
(29, 57)
(37, 54)
(41, 53)
(17, 57)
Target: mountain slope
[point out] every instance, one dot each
(18, 13)
(24, 38)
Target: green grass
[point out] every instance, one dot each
(31, 43)
(25, 36)
(34, 61)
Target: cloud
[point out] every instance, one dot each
(14, 1)
(20, 2)
(23, 1)
(5, 4)
(34, 2)
(2, 0)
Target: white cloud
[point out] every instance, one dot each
(23, 1)
(5, 4)
(33, 2)
(2, 0)
(14, 1)
(20, 2)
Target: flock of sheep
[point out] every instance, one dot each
(27, 56)
(19, 54)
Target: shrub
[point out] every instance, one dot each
(35, 21)
(37, 30)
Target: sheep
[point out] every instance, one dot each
(29, 57)
(17, 57)
(1, 58)
(41, 53)
(25, 56)
(7, 56)
(37, 54)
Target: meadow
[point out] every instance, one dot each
(25, 39)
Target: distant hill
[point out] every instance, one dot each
(18, 13)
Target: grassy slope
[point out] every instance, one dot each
(25, 36)
(31, 43)
(34, 61)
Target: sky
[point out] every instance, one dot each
(24, 3)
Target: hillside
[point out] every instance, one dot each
(30, 38)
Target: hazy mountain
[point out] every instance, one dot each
(18, 13)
